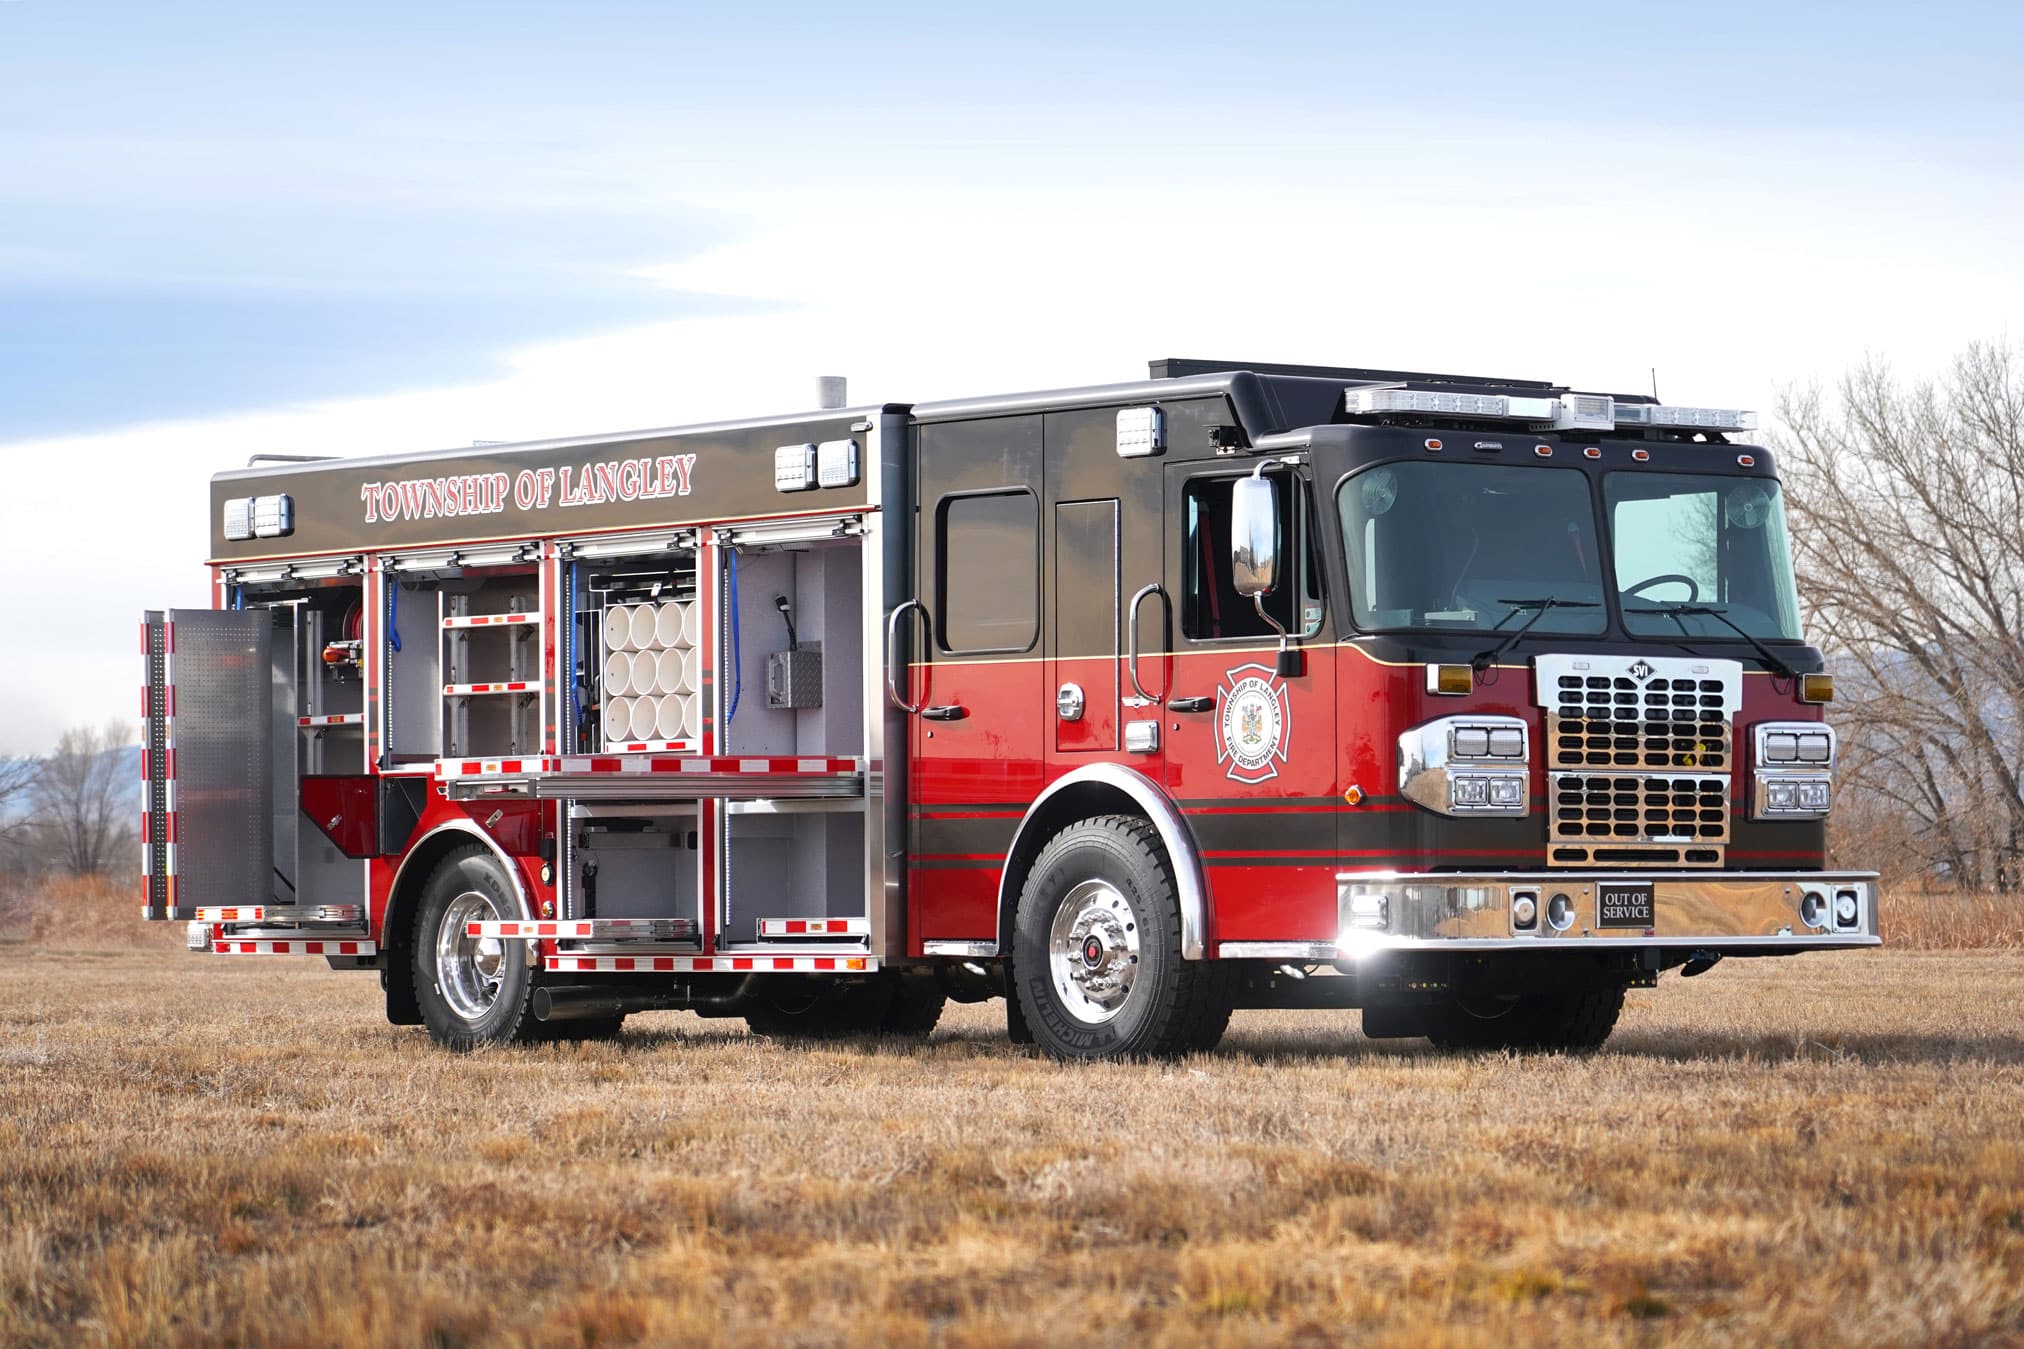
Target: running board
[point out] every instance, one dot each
(775, 928)
(589, 929)
(570, 963)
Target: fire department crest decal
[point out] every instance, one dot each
(1252, 712)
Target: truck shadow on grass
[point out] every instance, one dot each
(1688, 1047)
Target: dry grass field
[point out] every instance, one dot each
(195, 1149)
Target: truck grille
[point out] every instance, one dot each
(1639, 756)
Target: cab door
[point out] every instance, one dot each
(1250, 754)
(979, 728)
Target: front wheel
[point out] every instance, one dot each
(471, 991)
(1096, 961)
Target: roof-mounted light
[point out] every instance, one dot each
(1685, 418)
(1373, 402)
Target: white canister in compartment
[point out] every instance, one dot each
(672, 672)
(617, 628)
(671, 711)
(668, 624)
(645, 665)
(618, 719)
(692, 716)
(645, 627)
(692, 624)
(617, 675)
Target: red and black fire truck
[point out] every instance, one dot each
(1467, 702)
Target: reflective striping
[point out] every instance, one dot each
(242, 913)
(711, 964)
(488, 620)
(292, 947)
(337, 719)
(582, 929)
(611, 763)
(469, 690)
(815, 927)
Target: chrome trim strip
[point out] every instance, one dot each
(960, 948)
(1189, 888)
(462, 827)
(1277, 950)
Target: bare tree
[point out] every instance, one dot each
(84, 807)
(1908, 506)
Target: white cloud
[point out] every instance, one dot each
(918, 296)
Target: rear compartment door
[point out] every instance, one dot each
(206, 760)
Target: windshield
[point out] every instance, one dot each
(1687, 543)
(1472, 547)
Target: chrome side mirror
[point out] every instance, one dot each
(1254, 535)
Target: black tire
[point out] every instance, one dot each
(463, 1007)
(1103, 889)
(797, 1007)
(1571, 1022)
(917, 1004)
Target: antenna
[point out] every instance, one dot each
(1655, 384)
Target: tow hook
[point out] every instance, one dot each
(1700, 962)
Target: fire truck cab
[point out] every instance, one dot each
(1467, 702)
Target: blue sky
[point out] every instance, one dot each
(212, 206)
(228, 228)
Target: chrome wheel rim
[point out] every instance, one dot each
(1093, 952)
(469, 969)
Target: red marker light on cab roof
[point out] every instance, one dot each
(1747, 460)
(1591, 452)
(1434, 445)
(1543, 451)
(1641, 455)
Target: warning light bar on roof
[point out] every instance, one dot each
(1569, 412)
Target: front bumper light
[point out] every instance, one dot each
(1467, 766)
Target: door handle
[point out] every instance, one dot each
(1191, 704)
(946, 712)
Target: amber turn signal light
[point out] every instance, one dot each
(1450, 679)
(1816, 688)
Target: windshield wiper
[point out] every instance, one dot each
(1677, 610)
(1483, 660)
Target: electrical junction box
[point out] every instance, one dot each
(794, 678)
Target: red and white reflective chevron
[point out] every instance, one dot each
(238, 913)
(578, 928)
(612, 763)
(815, 927)
(488, 620)
(711, 964)
(516, 686)
(336, 719)
(294, 946)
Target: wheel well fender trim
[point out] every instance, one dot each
(405, 890)
(1191, 890)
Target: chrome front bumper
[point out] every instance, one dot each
(1725, 911)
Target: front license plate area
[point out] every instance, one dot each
(1624, 904)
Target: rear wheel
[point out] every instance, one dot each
(471, 991)
(1573, 1021)
(1097, 965)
